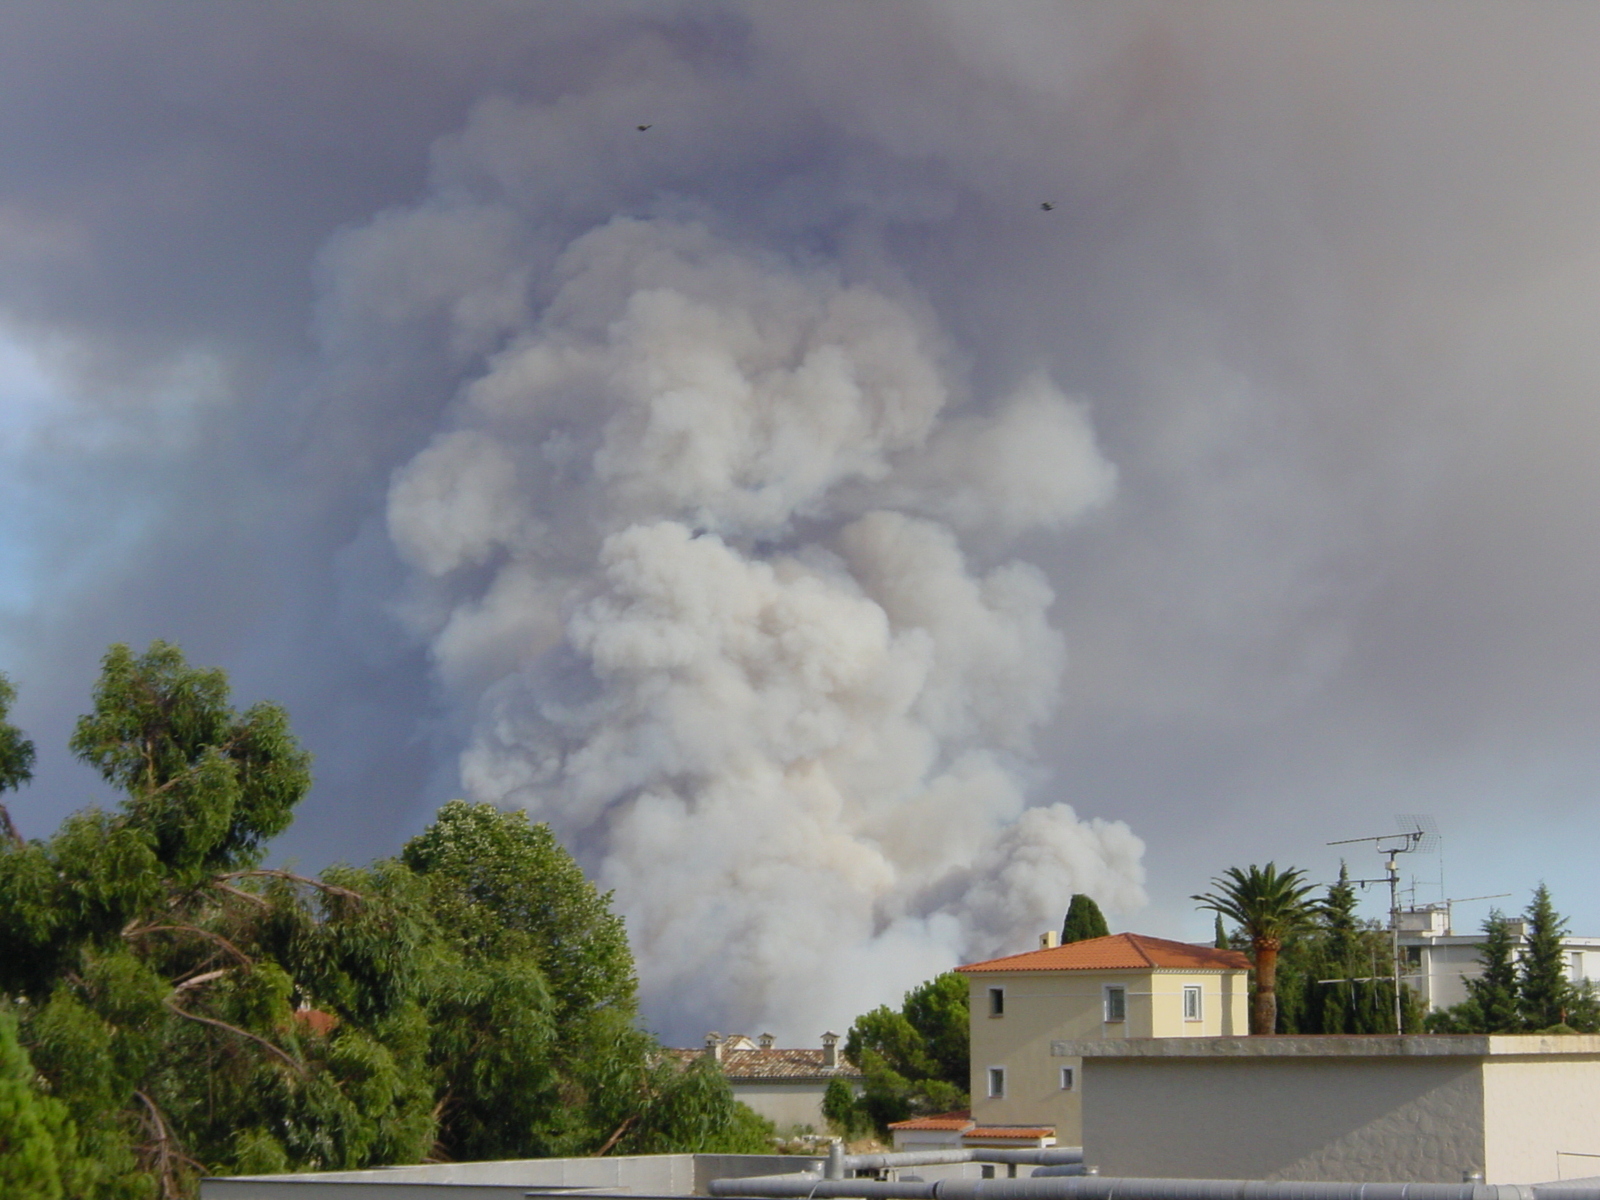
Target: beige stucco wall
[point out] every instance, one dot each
(1046, 1008)
(786, 1103)
(1356, 1119)
(1541, 1119)
(1522, 1109)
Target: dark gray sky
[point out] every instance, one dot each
(1324, 280)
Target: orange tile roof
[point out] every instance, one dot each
(1118, 952)
(1010, 1131)
(944, 1121)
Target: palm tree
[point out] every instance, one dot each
(1271, 906)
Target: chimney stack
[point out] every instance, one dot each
(714, 1045)
(1049, 938)
(830, 1049)
(765, 1041)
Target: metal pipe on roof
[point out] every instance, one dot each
(1098, 1188)
(1041, 1156)
(1090, 1187)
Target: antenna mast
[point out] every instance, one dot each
(1417, 833)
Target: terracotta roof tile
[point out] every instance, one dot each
(943, 1122)
(1119, 951)
(1011, 1131)
(773, 1064)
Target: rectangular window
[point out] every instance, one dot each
(1067, 1079)
(1577, 965)
(997, 1082)
(1116, 1004)
(997, 1002)
(1191, 1003)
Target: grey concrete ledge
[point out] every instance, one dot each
(1533, 1045)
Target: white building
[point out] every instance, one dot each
(1439, 961)
(785, 1086)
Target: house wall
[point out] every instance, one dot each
(1401, 1120)
(787, 1103)
(1542, 1119)
(1046, 1008)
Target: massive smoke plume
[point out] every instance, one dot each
(690, 553)
(327, 335)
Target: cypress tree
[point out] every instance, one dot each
(1084, 920)
(1494, 993)
(1221, 941)
(1544, 991)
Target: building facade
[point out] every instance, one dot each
(1026, 1010)
(1438, 961)
(784, 1085)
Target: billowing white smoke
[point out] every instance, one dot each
(694, 550)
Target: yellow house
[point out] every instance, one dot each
(1027, 1008)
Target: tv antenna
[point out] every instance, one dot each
(1418, 833)
(1449, 906)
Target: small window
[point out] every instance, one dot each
(987, 1170)
(1191, 1003)
(1068, 1079)
(997, 1002)
(997, 1082)
(1577, 965)
(1116, 1004)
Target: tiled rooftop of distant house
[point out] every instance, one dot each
(1119, 951)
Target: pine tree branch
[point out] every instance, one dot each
(12, 833)
(141, 930)
(298, 1067)
(616, 1135)
(331, 889)
(195, 981)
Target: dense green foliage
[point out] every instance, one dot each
(1271, 907)
(1334, 976)
(38, 1145)
(188, 1011)
(914, 1060)
(16, 757)
(1084, 920)
(1526, 992)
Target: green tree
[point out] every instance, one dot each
(840, 1109)
(1271, 906)
(1219, 938)
(1494, 992)
(191, 1011)
(914, 1061)
(1544, 993)
(38, 1145)
(16, 758)
(1084, 920)
(207, 786)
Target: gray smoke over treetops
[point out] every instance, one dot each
(655, 556)
(782, 502)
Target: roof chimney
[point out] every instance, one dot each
(714, 1045)
(1049, 938)
(765, 1041)
(830, 1049)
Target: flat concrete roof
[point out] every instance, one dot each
(1529, 1045)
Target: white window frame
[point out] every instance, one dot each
(1195, 992)
(1069, 1079)
(1105, 1001)
(997, 1002)
(997, 1082)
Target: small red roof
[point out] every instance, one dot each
(1031, 1132)
(944, 1121)
(1118, 952)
